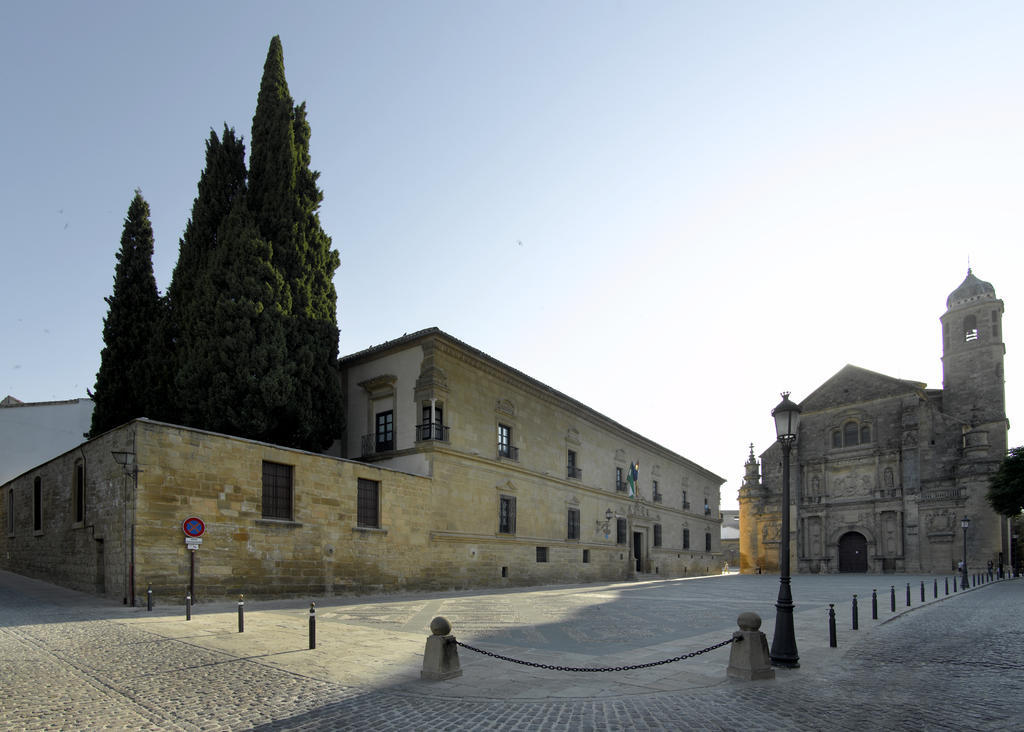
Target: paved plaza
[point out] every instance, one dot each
(71, 661)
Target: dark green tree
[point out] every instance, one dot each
(236, 369)
(1006, 488)
(124, 384)
(190, 312)
(284, 200)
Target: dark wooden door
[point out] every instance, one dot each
(638, 546)
(853, 553)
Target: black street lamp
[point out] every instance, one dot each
(965, 523)
(784, 653)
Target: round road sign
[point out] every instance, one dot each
(193, 526)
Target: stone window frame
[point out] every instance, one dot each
(281, 492)
(37, 506)
(707, 541)
(621, 532)
(78, 493)
(506, 514)
(572, 531)
(368, 503)
(863, 428)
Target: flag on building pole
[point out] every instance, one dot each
(632, 476)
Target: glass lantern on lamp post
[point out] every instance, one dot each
(784, 652)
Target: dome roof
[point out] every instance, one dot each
(971, 289)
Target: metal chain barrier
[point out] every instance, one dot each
(595, 669)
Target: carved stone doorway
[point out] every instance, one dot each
(853, 552)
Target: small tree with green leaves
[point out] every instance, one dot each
(1006, 488)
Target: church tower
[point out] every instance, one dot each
(972, 355)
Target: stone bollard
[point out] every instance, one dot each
(748, 658)
(441, 656)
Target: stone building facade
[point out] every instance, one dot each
(884, 469)
(458, 471)
(500, 441)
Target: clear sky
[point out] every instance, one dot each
(609, 196)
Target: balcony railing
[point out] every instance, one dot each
(686, 505)
(573, 472)
(432, 431)
(372, 445)
(657, 497)
(620, 485)
(509, 452)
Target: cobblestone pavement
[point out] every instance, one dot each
(956, 662)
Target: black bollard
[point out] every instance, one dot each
(312, 625)
(855, 612)
(832, 626)
(188, 606)
(908, 594)
(241, 613)
(874, 604)
(955, 583)
(149, 598)
(947, 585)
(935, 588)
(892, 598)
(922, 590)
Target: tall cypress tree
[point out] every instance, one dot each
(190, 308)
(237, 373)
(284, 199)
(124, 389)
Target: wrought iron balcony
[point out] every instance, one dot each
(573, 472)
(508, 452)
(620, 485)
(431, 431)
(372, 445)
(657, 497)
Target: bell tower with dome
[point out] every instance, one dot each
(972, 355)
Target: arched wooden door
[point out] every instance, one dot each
(853, 552)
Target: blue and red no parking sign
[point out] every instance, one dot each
(193, 527)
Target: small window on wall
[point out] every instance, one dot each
(542, 554)
(368, 504)
(586, 556)
(572, 470)
(574, 524)
(620, 531)
(707, 542)
(277, 491)
(78, 507)
(970, 329)
(385, 434)
(506, 514)
(657, 535)
(37, 504)
(686, 538)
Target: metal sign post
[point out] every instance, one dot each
(194, 528)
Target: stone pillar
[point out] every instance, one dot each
(441, 656)
(749, 658)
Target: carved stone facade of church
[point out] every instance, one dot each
(884, 469)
